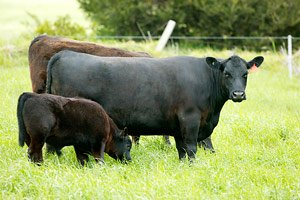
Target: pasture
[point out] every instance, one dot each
(257, 146)
(15, 15)
(257, 141)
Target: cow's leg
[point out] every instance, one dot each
(191, 144)
(180, 146)
(136, 139)
(51, 150)
(34, 151)
(81, 155)
(189, 126)
(167, 139)
(206, 144)
(206, 132)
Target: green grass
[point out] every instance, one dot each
(257, 146)
(257, 141)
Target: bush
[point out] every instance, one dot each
(63, 26)
(195, 17)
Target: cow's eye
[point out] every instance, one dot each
(245, 75)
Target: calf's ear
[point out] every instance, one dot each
(125, 131)
(213, 63)
(256, 62)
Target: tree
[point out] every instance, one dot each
(195, 17)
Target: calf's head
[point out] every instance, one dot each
(234, 72)
(120, 146)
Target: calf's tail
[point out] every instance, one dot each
(50, 66)
(22, 129)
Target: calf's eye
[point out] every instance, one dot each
(227, 74)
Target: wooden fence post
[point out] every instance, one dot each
(166, 35)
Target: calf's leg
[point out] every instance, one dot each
(98, 153)
(81, 155)
(34, 151)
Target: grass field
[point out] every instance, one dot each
(257, 144)
(257, 141)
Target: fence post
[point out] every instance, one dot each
(166, 35)
(289, 56)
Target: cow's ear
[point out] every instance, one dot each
(256, 62)
(213, 63)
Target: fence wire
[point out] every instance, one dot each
(198, 37)
(275, 43)
(244, 42)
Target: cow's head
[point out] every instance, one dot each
(120, 146)
(234, 74)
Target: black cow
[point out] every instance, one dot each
(179, 96)
(63, 122)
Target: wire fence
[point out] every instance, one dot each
(275, 43)
(136, 37)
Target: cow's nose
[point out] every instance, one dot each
(238, 96)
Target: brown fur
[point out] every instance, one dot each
(61, 121)
(43, 47)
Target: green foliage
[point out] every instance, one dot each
(62, 26)
(257, 147)
(197, 18)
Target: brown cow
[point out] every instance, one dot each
(43, 47)
(61, 121)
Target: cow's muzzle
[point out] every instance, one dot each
(238, 96)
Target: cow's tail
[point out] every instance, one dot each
(22, 129)
(50, 66)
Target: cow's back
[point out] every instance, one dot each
(43, 47)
